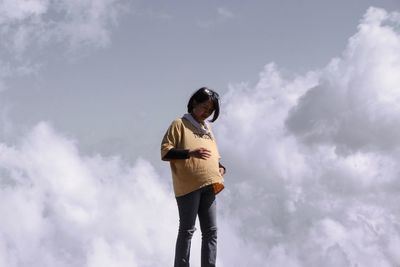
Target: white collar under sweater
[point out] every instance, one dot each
(204, 129)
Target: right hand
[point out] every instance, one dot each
(201, 153)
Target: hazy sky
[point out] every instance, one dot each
(117, 90)
(309, 130)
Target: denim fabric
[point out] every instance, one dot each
(201, 202)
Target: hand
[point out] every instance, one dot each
(222, 171)
(201, 153)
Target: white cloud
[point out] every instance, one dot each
(29, 27)
(42, 22)
(223, 15)
(356, 103)
(313, 158)
(17, 10)
(89, 21)
(59, 208)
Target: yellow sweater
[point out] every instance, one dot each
(191, 174)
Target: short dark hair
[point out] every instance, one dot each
(202, 95)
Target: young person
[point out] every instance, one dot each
(189, 145)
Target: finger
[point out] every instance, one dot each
(204, 150)
(206, 154)
(202, 156)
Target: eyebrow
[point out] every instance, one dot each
(208, 107)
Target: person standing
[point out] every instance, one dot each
(197, 174)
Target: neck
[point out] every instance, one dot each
(197, 119)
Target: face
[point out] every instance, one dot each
(202, 111)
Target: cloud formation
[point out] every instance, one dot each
(312, 173)
(314, 157)
(32, 31)
(356, 103)
(59, 208)
(39, 22)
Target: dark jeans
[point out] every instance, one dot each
(200, 202)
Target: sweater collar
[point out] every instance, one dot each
(204, 129)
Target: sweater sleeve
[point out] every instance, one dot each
(171, 138)
(175, 153)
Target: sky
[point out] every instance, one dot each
(98, 73)
(308, 129)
